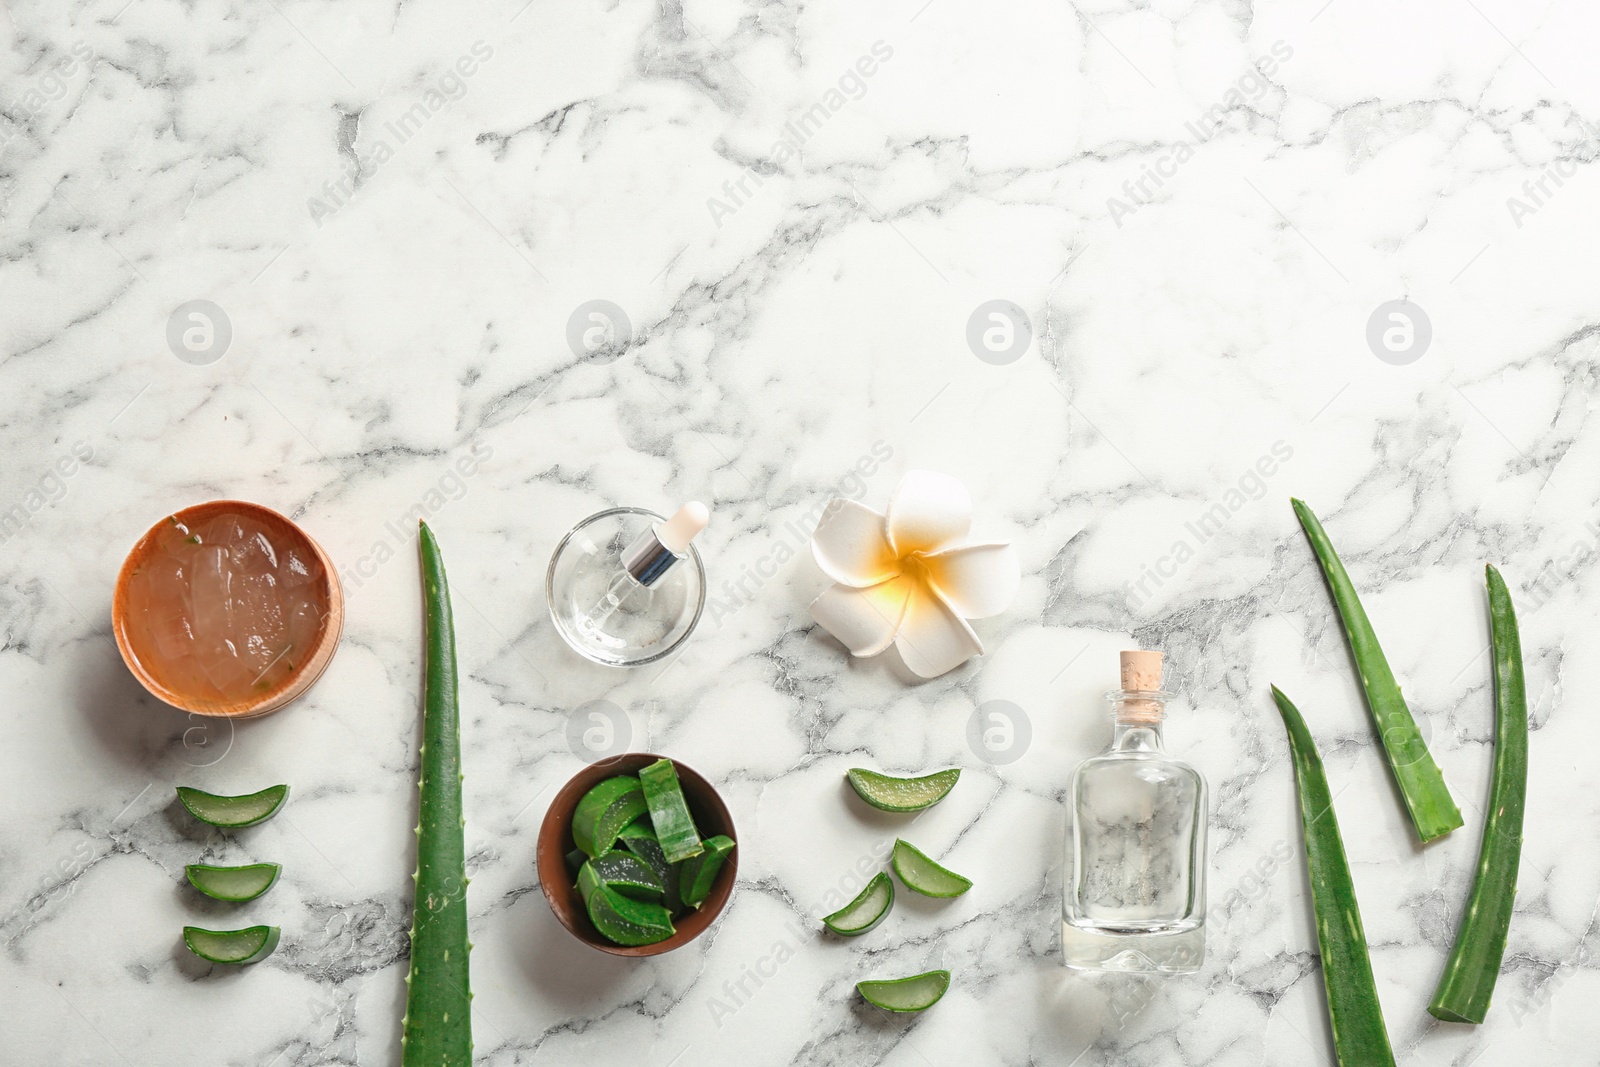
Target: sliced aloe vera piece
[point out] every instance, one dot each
(902, 794)
(641, 841)
(250, 945)
(923, 875)
(1468, 980)
(916, 993)
(626, 873)
(623, 920)
(1433, 812)
(700, 872)
(669, 812)
(233, 812)
(870, 908)
(233, 883)
(1354, 1013)
(604, 811)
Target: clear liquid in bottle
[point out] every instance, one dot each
(1133, 884)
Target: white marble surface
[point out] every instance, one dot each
(158, 153)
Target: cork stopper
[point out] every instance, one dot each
(1141, 670)
(1141, 673)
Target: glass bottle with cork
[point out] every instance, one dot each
(1134, 880)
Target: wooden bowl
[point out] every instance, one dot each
(330, 593)
(711, 817)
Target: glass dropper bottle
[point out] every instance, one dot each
(651, 555)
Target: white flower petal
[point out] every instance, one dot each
(864, 620)
(928, 511)
(851, 547)
(976, 580)
(932, 639)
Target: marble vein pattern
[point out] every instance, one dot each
(1135, 273)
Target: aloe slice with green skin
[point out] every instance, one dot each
(700, 872)
(887, 793)
(623, 920)
(233, 812)
(603, 812)
(922, 874)
(250, 945)
(916, 993)
(1469, 976)
(1354, 1013)
(236, 884)
(1433, 812)
(669, 812)
(437, 1027)
(626, 873)
(869, 908)
(641, 841)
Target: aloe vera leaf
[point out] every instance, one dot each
(437, 1028)
(1354, 1013)
(1469, 975)
(1433, 812)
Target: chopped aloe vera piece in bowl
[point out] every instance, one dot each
(902, 794)
(646, 847)
(639, 828)
(250, 945)
(622, 919)
(624, 872)
(916, 993)
(869, 908)
(669, 812)
(235, 884)
(699, 872)
(923, 875)
(603, 812)
(231, 812)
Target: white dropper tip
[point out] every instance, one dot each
(676, 533)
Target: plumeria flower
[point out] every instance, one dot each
(905, 579)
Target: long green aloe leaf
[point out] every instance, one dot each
(1433, 812)
(1474, 964)
(1354, 1013)
(438, 1020)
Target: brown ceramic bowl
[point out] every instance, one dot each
(555, 841)
(327, 591)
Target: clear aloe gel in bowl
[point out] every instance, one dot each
(626, 586)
